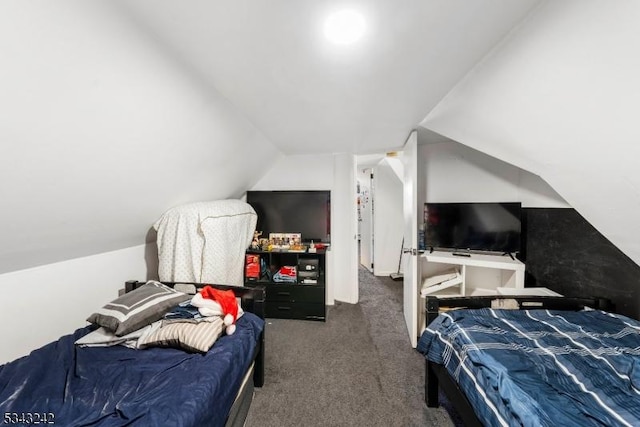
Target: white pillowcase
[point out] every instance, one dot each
(103, 337)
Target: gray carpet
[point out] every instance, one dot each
(355, 369)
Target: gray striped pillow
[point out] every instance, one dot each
(195, 337)
(138, 308)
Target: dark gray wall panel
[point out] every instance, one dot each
(565, 253)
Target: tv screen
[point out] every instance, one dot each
(493, 227)
(305, 212)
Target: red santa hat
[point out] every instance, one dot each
(228, 305)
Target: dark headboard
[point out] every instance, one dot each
(252, 298)
(433, 304)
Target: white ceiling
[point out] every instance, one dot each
(270, 59)
(112, 111)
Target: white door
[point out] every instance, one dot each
(410, 249)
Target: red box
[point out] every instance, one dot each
(252, 267)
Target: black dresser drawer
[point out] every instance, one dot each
(303, 299)
(295, 293)
(297, 310)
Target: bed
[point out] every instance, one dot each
(66, 384)
(532, 361)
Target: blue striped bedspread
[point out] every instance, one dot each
(541, 367)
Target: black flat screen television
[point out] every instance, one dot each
(305, 212)
(491, 227)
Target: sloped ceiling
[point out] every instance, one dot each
(102, 130)
(113, 111)
(559, 98)
(271, 60)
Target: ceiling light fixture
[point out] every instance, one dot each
(344, 27)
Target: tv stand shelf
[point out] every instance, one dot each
(481, 273)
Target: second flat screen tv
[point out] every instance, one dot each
(305, 212)
(491, 227)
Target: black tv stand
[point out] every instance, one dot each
(510, 254)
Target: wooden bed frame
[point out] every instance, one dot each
(437, 376)
(253, 301)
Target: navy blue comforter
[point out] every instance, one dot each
(540, 367)
(118, 386)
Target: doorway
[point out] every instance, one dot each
(380, 213)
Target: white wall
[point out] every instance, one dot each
(559, 98)
(102, 130)
(456, 173)
(38, 305)
(388, 217)
(334, 172)
(345, 229)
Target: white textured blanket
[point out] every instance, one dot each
(205, 242)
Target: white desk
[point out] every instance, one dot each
(482, 274)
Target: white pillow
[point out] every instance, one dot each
(439, 278)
